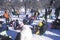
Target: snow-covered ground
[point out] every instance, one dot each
(48, 35)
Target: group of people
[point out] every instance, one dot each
(26, 32)
(7, 15)
(15, 12)
(15, 24)
(24, 27)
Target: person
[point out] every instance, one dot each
(57, 12)
(11, 23)
(17, 12)
(52, 2)
(6, 16)
(32, 10)
(26, 19)
(46, 14)
(49, 11)
(17, 23)
(13, 11)
(26, 33)
(36, 14)
(1, 24)
(40, 25)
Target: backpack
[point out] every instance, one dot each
(40, 24)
